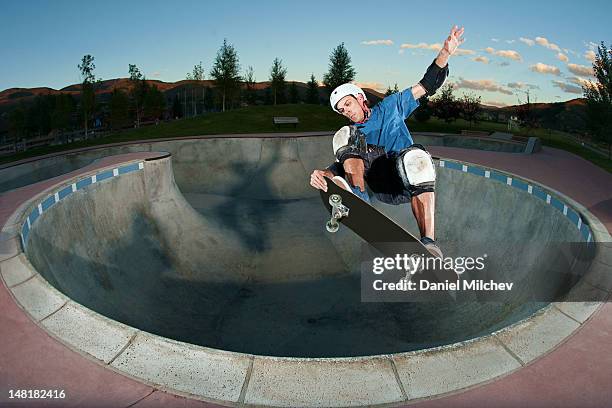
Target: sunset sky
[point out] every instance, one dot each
(510, 46)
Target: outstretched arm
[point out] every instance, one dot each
(452, 42)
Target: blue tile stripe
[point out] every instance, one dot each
(572, 215)
(66, 190)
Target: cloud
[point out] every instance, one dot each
(581, 70)
(156, 74)
(544, 43)
(562, 57)
(510, 41)
(521, 85)
(590, 55)
(461, 51)
(435, 47)
(527, 41)
(545, 69)
(567, 87)
(424, 46)
(511, 54)
(482, 59)
(377, 86)
(494, 39)
(377, 42)
(495, 103)
(482, 85)
(582, 81)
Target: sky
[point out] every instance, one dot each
(545, 47)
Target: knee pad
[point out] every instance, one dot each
(416, 170)
(349, 142)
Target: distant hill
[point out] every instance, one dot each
(14, 96)
(567, 116)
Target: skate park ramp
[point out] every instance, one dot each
(223, 244)
(16, 175)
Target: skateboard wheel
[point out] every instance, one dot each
(335, 199)
(332, 227)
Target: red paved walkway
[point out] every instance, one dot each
(576, 374)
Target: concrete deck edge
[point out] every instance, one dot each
(227, 377)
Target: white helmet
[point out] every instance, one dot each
(342, 91)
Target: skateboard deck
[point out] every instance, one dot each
(375, 228)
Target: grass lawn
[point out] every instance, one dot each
(258, 119)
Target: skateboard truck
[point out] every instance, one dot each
(339, 211)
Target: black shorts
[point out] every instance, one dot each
(383, 179)
(381, 176)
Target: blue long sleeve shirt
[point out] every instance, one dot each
(386, 126)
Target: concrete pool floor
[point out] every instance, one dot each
(577, 373)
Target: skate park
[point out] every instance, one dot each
(200, 269)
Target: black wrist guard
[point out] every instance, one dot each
(434, 78)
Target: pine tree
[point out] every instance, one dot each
(249, 81)
(445, 106)
(88, 94)
(312, 93)
(340, 69)
(138, 90)
(119, 109)
(470, 108)
(599, 98)
(277, 80)
(225, 72)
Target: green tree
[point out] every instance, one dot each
(392, 91)
(196, 75)
(88, 94)
(277, 80)
(249, 82)
(526, 114)
(424, 111)
(154, 103)
(39, 115)
(445, 105)
(225, 72)
(17, 123)
(312, 92)
(119, 106)
(62, 112)
(340, 69)
(599, 98)
(470, 108)
(138, 91)
(294, 94)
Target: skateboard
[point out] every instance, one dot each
(377, 229)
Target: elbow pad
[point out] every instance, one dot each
(434, 78)
(349, 142)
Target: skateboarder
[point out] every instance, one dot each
(378, 148)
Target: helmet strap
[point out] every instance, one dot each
(366, 111)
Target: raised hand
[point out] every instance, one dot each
(454, 40)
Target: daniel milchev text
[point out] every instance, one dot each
(412, 264)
